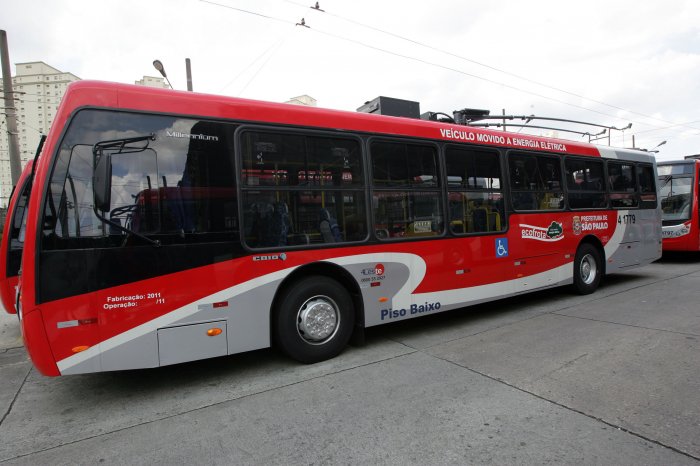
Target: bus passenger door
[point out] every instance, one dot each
(537, 252)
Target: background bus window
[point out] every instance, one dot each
(584, 181)
(676, 193)
(17, 229)
(647, 187)
(416, 209)
(474, 185)
(622, 184)
(536, 182)
(301, 189)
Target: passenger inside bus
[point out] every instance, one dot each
(271, 224)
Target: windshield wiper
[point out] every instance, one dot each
(121, 146)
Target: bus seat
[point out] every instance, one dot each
(330, 231)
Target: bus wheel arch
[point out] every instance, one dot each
(589, 265)
(315, 312)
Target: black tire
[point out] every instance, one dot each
(588, 269)
(313, 319)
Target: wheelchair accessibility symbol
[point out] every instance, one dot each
(501, 247)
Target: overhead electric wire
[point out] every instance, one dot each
(250, 65)
(245, 11)
(426, 62)
(674, 127)
(515, 75)
(273, 49)
(448, 68)
(29, 126)
(471, 75)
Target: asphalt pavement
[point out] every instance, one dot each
(550, 377)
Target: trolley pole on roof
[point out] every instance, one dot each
(11, 111)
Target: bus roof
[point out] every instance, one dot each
(687, 160)
(147, 99)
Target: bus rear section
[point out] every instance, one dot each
(678, 190)
(13, 240)
(158, 238)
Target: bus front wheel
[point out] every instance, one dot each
(588, 269)
(313, 319)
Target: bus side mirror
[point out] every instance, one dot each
(102, 183)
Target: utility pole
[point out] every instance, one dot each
(10, 111)
(188, 69)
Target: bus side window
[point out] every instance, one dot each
(622, 184)
(474, 190)
(406, 189)
(301, 188)
(647, 187)
(536, 182)
(585, 183)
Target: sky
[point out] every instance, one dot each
(611, 62)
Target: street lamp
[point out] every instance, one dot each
(658, 145)
(157, 64)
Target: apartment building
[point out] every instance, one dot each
(38, 89)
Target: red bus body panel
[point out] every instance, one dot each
(59, 330)
(689, 240)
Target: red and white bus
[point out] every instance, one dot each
(13, 239)
(678, 190)
(170, 226)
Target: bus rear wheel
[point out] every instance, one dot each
(313, 319)
(588, 269)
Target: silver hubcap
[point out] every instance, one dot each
(589, 269)
(318, 319)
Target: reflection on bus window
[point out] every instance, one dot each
(179, 187)
(474, 191)
(535, 182)
(301, 189)
(584, 181)
(622, 183)
(401, 214)
(647, 186)
(415, 210)
(676, 197)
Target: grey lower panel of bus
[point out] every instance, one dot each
(244, 322)
(641, 240)
(244, 319)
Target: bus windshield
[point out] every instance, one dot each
(676, 196)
